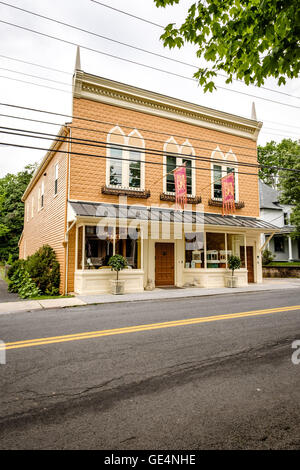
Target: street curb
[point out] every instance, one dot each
(84, 304)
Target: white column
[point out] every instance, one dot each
(290, 249)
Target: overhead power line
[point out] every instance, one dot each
(36, 76)
(8, 144)
(34, 64)
(125, 126)
(151, 151)
(129, 14)
(35, 84)
(105, 132)
(161, 56)
(69, 73)
(143, 65)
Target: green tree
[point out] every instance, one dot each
(275, 155)
(284, 154)
(248, 39)
(12, 188)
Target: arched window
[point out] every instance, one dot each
(224, 165)
(136, 166)
(175, 156)
(217, 172)
(114, 168)
(125, 167)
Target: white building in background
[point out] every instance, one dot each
(282, 245)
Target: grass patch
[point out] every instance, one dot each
(45, 297)
(282, 264)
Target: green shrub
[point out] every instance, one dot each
(15, 267)
(22, 283)
(267, 257)
(234, 262)
(117, 263)
(43, 268)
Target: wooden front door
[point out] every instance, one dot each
(250, 266)
(164, 264)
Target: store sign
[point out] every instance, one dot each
(180, 186)
(228, 194)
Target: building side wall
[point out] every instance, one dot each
(88, 174)
(47, 225)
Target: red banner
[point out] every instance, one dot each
(180, 186)
(228, 194)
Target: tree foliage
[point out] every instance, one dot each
(234, 262)
(12, 188)
(117, 263)
(248, 39)
(38, 274)
(284, 154)
(44, 270)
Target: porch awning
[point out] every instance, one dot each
(147, 213)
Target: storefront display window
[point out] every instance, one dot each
(194, 250)
(215, 245)
(128, 244)
(236, 246)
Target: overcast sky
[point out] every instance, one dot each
(279, 121)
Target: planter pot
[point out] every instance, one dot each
(117, 287)
(231, 281)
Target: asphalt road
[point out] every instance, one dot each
(223, 384)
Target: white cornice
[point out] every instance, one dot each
(119, 94)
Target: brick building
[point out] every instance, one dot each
(105, 186)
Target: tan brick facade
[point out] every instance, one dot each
(82, 177)
(87, 174)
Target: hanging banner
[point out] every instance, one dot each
(228, 194)
(180, 186)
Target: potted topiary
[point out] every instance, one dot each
(234, 262)
(117, 263)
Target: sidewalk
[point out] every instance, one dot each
(157, 294)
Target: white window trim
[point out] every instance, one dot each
(32, 207)
(219, 155)
(179, 159)
(125, 158)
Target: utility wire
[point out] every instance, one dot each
(36, 76)
(143, 65)
(69, 73)
(34, 64)
(8, 144)
(185, 63)
(161, 56)
(129, 14)
(35, 84)
(124, 126)
(114, 133)
(135, 149)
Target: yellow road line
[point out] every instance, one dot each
(139, 328)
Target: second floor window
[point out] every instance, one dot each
(174, 162)
(217, 182)
(115, 167)
(134, 169)
(125, 159)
